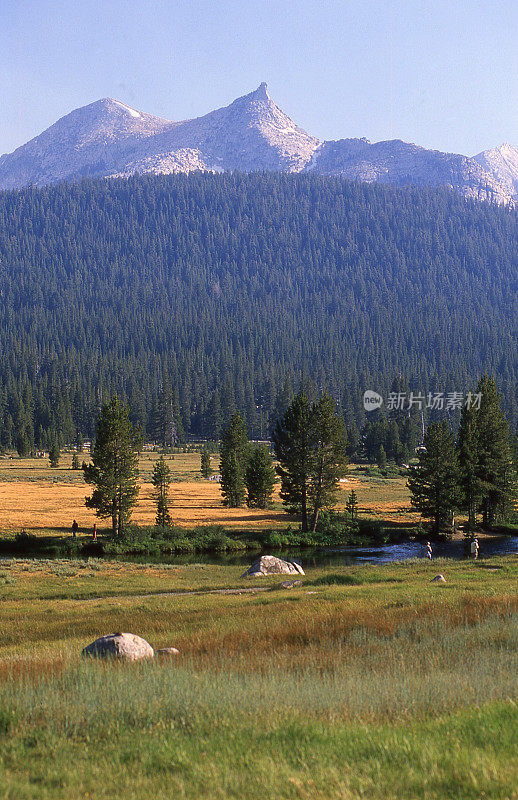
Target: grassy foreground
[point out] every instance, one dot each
(363, 682)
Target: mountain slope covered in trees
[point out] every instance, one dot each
(205, 293)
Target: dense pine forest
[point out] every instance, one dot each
(194, 296)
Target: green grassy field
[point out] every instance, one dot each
(363, 682)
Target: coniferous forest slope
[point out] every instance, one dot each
(229, 288)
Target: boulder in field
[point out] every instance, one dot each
(122, 646)
(438, 579)
(288, 584)
(270, 565)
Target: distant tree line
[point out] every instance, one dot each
(196, 297)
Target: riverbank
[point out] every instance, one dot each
(339, 544)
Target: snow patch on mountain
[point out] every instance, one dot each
(131, 111)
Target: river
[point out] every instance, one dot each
(340, 556)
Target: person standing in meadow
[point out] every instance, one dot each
(428, 550)
(95, 531)
(75, 528)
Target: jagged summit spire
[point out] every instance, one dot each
(262, 91)
(257, 95)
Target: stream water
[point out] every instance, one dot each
(339, 556)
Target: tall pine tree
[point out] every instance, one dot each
(161, 480)
(433, 482)
(233, 462)
(259, 477)
(206, 469)
(495, 467)
(114, 467)
(467, 449)
(292, 445)
(328, 456)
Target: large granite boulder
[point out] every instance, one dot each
(270, 565)
(123, 646)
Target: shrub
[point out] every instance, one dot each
(7, 720)
(24, 541)
(372, 530)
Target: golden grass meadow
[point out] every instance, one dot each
(40, 499)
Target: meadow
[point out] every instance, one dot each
(362, 682)
(42, 500)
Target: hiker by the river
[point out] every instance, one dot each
(474, 548)
(428, 550)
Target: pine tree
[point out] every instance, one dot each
(75, 462)
(410, 434)
(310, 445)
(352, 506)
(404, 456)
(375, 435)
(381, 458)
(54, 453)
(114, 467)
(24, 431)
(433, 483)
(161, 481)
(233, 462)
(353, 442)
(328, 456)
(292, 445)
(514, 451)
(467, 450)
(394, 446)
(213, 417)
(206, 469)
(259, 478)
(165, 427)
(495, 468)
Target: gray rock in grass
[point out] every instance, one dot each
(438, 579)
(121, 646)
(270, 565)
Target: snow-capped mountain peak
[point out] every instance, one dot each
(502, 163)
(108, 138)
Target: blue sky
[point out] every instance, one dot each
(441, 74)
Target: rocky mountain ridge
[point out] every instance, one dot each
(109, 139)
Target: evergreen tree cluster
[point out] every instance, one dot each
(193, 297)
(310, 446)
(473, 472)
(247, 471)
